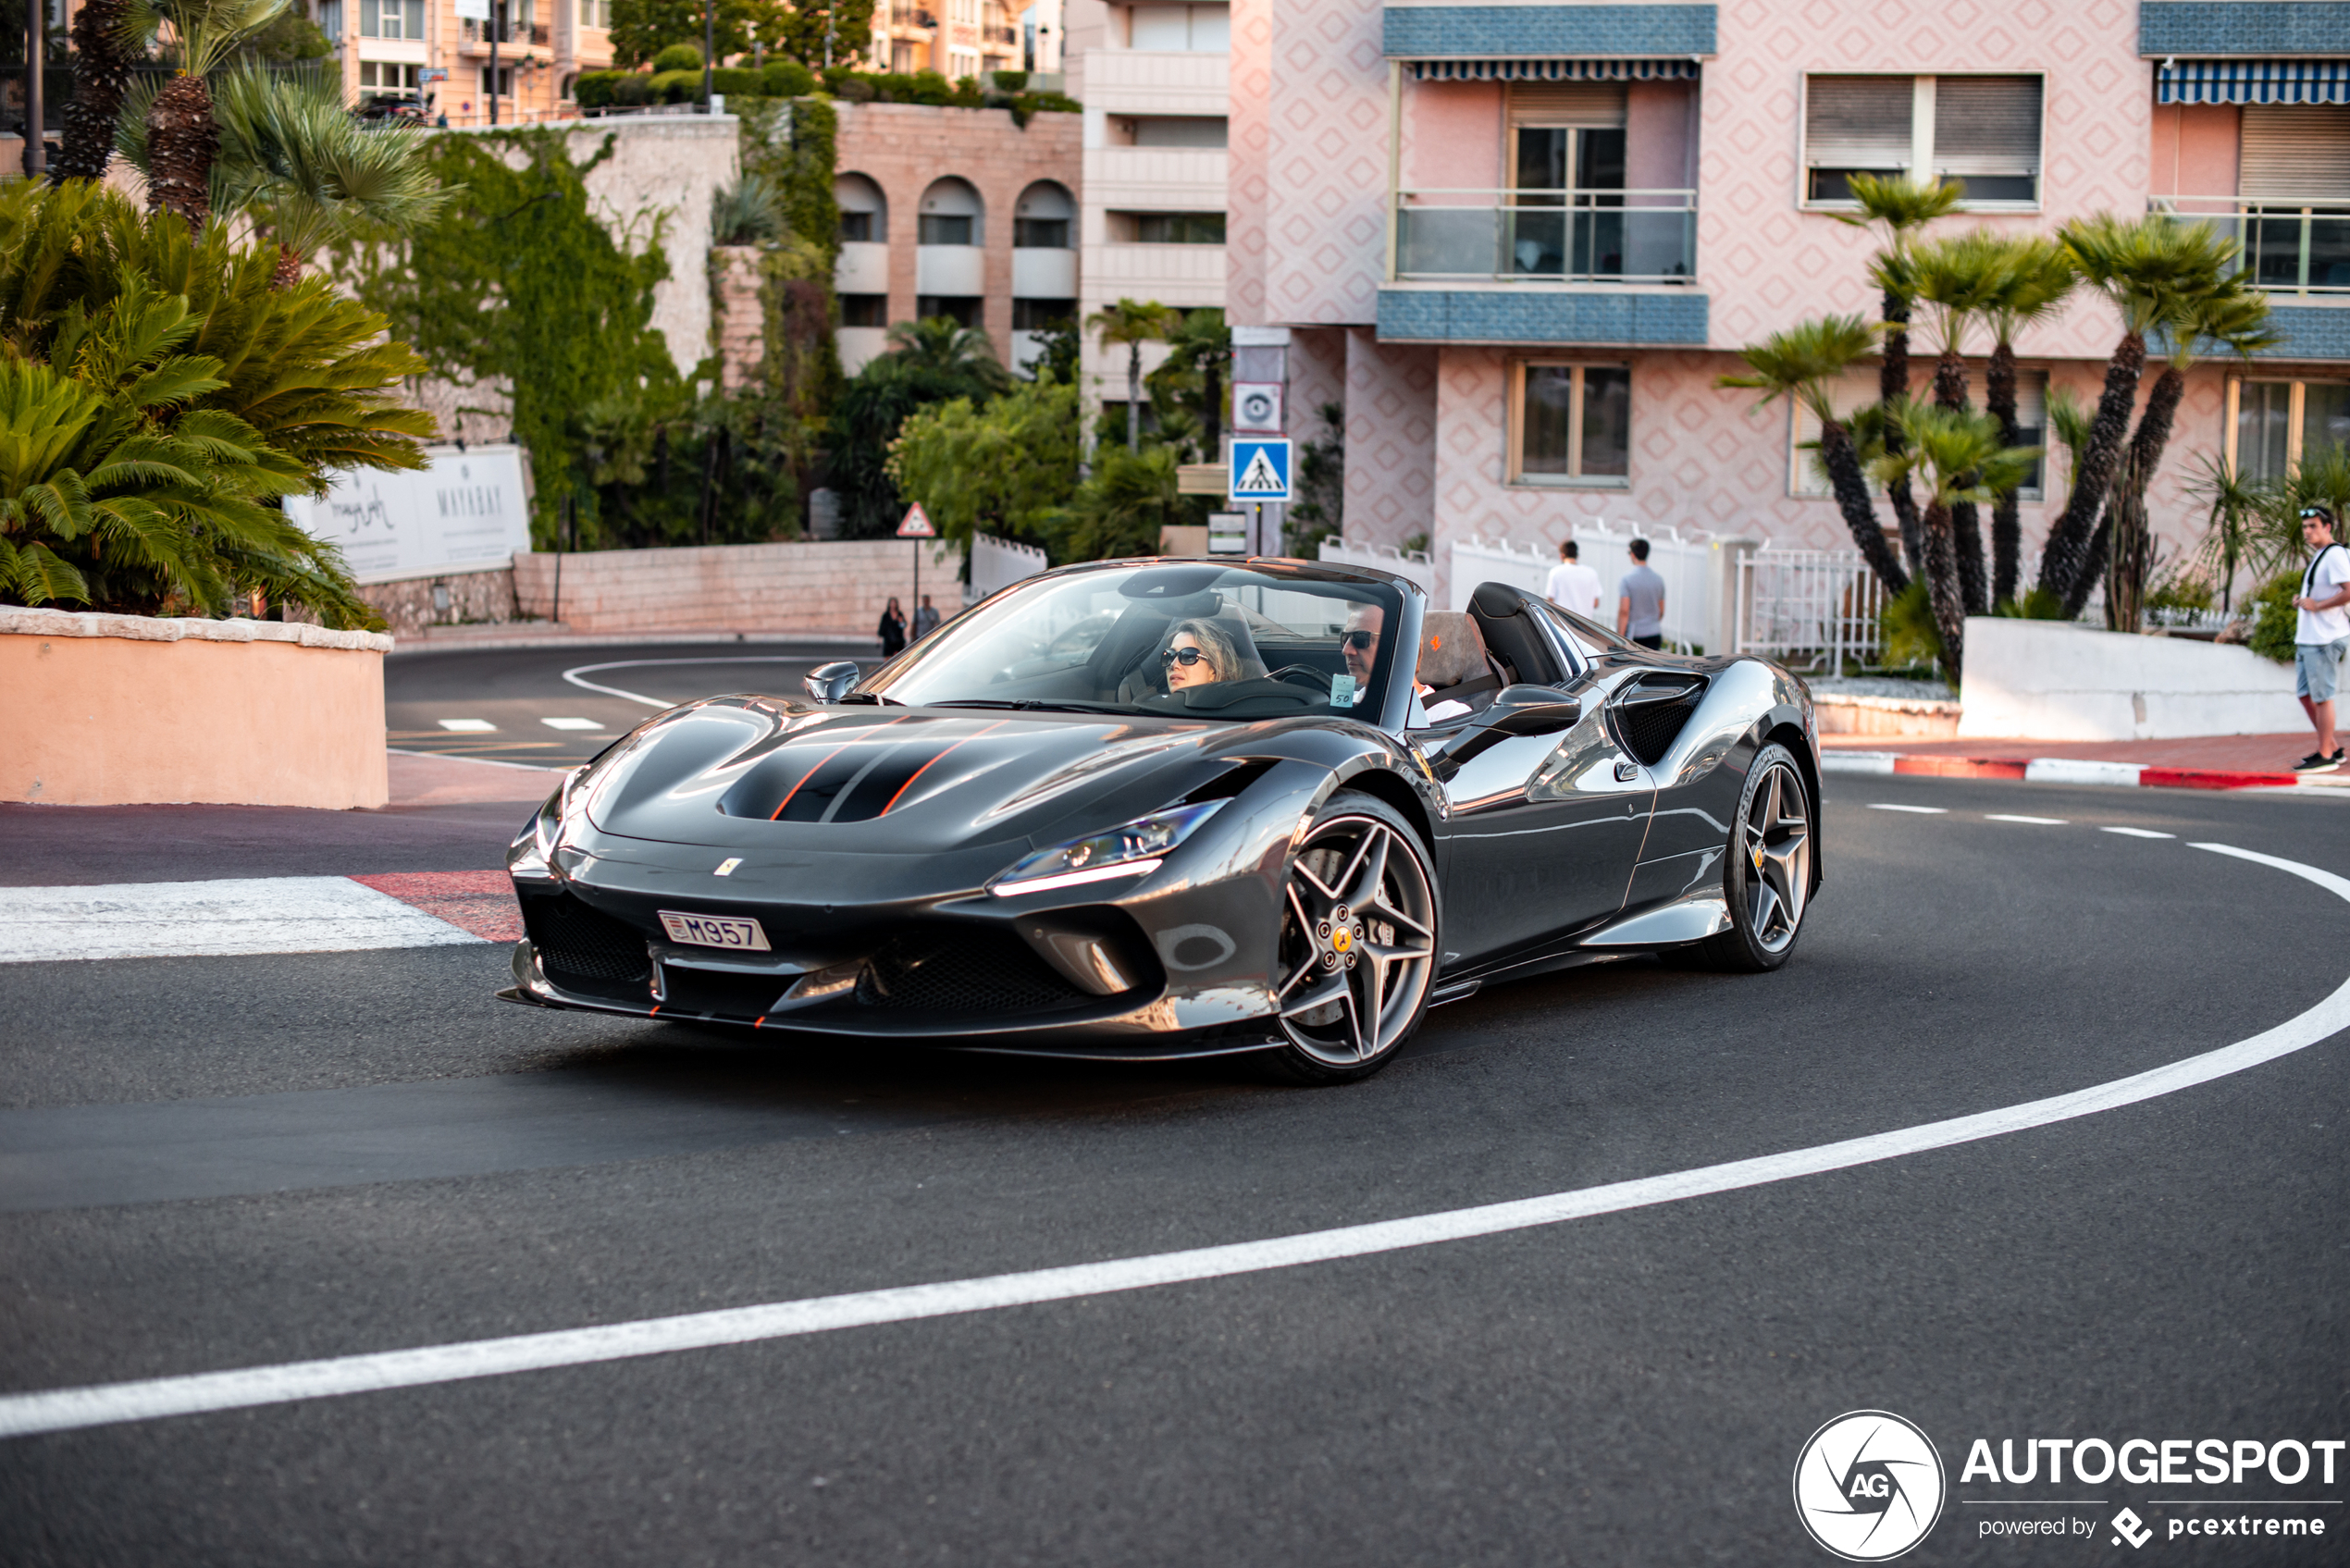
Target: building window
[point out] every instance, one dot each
(1043, 316)
(505, 81)
(1166, 229)
(382, 78)
(2280, 425)
(943, 228)
(392, 18)
(1181, 29)
(329, 16)
(595, 13)
(1040, 233)
(864, 310)
(1984, 131)
(1209, 131)
(1570, 424)
(961, 309)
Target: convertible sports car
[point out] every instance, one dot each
(1157, 808)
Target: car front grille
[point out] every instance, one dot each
(719, 993)
(974, 972)
(586, 950)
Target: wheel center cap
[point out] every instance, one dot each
(1342, 938)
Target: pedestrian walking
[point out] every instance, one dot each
(1572, 584)
(925, 619)
(1640, 613)
(893, 630)
(2321, 635)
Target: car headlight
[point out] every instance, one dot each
(533, 851)
(1135, 849)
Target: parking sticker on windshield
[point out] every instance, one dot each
(1342, 691)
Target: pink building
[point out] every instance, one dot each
(1520, 241)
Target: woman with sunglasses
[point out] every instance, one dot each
(1199, 654)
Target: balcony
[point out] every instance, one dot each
(1562, 235)
(2295, 247)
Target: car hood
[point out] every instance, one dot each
(743, 772)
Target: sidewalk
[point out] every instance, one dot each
(555, 634)
(2206, 762)
(418, 778)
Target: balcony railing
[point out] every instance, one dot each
(2293, 247)
(1572, 236)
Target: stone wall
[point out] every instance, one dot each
(407, 606)
(740, 324)
(810, 587)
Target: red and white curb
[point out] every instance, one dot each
(236, 916)
(2064, 770)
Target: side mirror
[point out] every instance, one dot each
(830, 682)
(1516, 710)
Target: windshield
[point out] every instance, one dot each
(1191, 639)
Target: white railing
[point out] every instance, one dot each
(998, 563)
(1696, 596)
(1809, 608)
(1387, 558)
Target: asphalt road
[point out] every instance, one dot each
(220, 1163)
(591, 694)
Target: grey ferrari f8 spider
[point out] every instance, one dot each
(1160, 808)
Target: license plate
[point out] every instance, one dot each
(715, 930)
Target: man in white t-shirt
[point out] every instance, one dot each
(2321, 635)
(1573, 585)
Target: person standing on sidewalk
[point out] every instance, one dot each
(2322, 635)
(1640, 613)
(892, 629)
(925, 619)
(1573, 585)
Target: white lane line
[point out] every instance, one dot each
(2138, 832)
(574, 675)
(2035, 822)
(228, 916)
(66, 1409)
(468, 726)
(1921, 810)
(573, 724)
(1833, 761)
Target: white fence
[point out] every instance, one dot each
(1698, 596)
(998, 563)
(1417, 565)
(1815, 609)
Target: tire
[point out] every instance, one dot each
(1355, 961)
(1768, 879)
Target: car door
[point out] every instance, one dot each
(1544, 829)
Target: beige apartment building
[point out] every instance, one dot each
(422, 51)
(1155, 80)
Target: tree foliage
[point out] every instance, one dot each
(932, 360)
(1005, 467)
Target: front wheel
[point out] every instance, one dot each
(1358, 944)
(1768, 879)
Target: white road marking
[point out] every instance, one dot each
(2138, 832)
(1833, 761)
(2035, 822)
(573, 724)
(63, 1410)
(1921, 810)
(468, 726)
(160, 920)
(574, 675)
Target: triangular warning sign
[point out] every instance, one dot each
(1260, 477)
(917, 524)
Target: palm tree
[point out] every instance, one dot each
(1133, 324)
(102, 53)
(938, 345)
(293, 159)
(1197, 350)
(1801, 363)
(2145, 267)
(1958, 278)
(182, 138)
(1897, 207)
(2035, 285)
(1959, 457)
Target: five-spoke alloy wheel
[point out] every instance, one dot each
(1769, 877)
(1358, 942)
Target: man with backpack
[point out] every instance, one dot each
(2322, 635)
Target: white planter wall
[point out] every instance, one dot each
(2054, 680)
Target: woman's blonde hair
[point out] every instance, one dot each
(1215, 643)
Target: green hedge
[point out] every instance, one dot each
(677, 57)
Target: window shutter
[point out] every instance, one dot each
(1596, 106)
(1858, 121)
(1986, 125)
(2300, 153)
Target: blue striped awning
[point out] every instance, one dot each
(1555, 71)
(2252, 81)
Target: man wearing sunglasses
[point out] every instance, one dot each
(2322, 635)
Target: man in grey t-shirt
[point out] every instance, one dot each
(1640, 613)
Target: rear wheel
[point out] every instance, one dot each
(1358, 942)
(1769, 877)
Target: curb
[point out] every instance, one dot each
(819, 645)
(2063, 770)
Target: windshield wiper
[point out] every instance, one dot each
(1031, 705)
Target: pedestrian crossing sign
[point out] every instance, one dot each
(1260, 470)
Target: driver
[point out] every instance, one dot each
(1360, 645)
(1199, 654)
